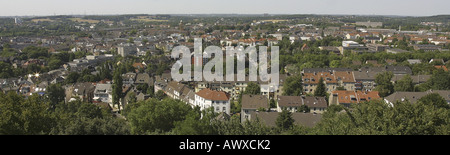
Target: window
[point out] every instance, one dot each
(217, 109)
(224, 109)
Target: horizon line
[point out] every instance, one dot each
(218, 14)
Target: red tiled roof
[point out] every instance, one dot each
(213, 95)
(441, 67)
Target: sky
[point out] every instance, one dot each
(113, 7)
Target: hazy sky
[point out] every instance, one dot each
(101, 7)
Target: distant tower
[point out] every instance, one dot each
(399, 28)
(181, 26)
(17, 20)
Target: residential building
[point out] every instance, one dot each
(175, 89)
(346, 98)
(218, 100)
(85, 91)
(413, 97)
(414, 61)
(103, 93)
(396, 50)
(142, 78)
(416, 79)
(333, 78)
(128, 78)
(251, 103)
(427, 48)
(293, 103)
(290, 103)
(377, 47)
(311, 80)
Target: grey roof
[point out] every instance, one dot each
(415, 78)
(396, 50)
(175, 86)
(393, 69)
(297, 101)
(364, 76)
(144, 78)
(103, 87)
(290, 101)
(413, 97)
(83, 88)
(312, 70)
(414, 61)
(254, 101)
(304, 119)
(312, 101)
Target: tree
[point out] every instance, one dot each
(252, 88)
(284, 120)
(404, 84)
(440, 80)
(272, 103)
(293, 86)
(54, 64)
(6, 70)
(384, 84)
(117, 89)
(160, 95)
(434, 99)
(19, 116)
(304, 109)
(157, 115)
(55, 94)
(320, 88)
(72, 77)
(335, 63)
(197, 123)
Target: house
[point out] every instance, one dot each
(251, 103)
(371, 39)
(142, 78)
(346, 98)
(345, 79)
(365, 77)
(413, 97)
(391, 61)
(414, 61)
(84, 90)
(416, 79)
(126, 50)
(218, 100)
(293, 103)
(128, 78)
(103, 93)
(303, 119)
(441, 67)
(315, 104)
(311, 80)
(396, 50)
(377, 47)
(333, 78)
(427, 48)
(332, 49)
(175, 89)
(139, 66)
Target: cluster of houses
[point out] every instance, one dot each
(345, 86)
